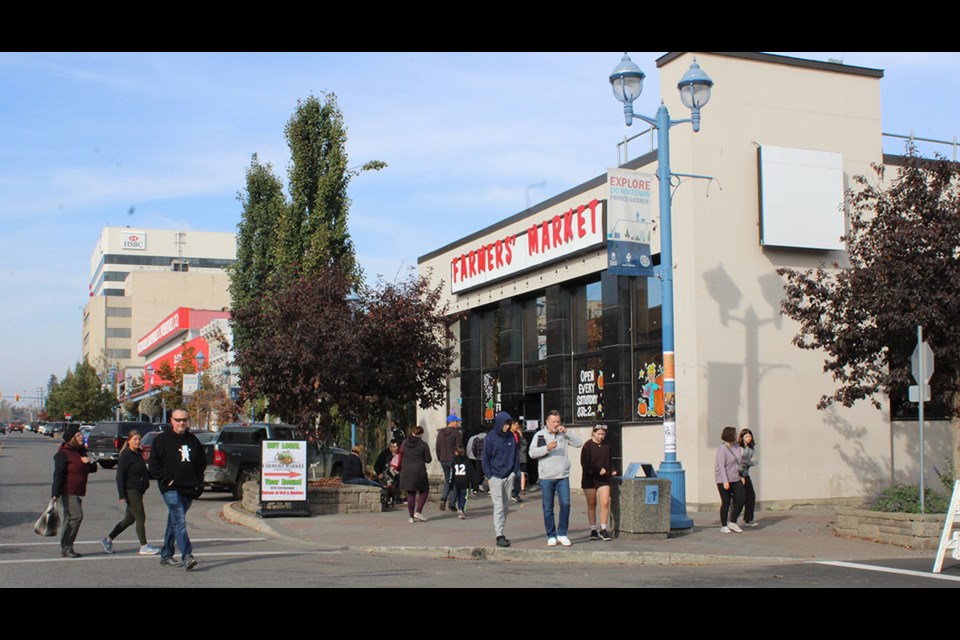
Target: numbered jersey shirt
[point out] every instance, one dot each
(459, 472)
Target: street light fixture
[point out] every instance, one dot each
(695, 87)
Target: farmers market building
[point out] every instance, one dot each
(559, 306)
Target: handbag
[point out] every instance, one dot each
(49, 521)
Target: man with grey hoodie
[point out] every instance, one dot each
(549, 447)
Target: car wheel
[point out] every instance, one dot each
(246, 475)
(107, 464)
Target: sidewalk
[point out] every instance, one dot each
(796, 535)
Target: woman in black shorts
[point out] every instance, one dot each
(596, 461)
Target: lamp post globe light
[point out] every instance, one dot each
(694, 87)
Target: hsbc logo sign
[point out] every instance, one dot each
(135, 241)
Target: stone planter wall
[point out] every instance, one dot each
(324, 500)
(910, 530)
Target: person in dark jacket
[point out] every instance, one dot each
(133, 480)
(414, 458)
(500, 465)
(354, 469)
(448, 439)
(71, 466)
(177, 460)
(596, 466)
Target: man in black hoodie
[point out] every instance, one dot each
(177, 459)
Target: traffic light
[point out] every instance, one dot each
(17, 396)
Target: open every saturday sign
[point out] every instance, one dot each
(284, 470)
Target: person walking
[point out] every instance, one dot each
(729, 484)
(475, 461)
(460, 477)
(520, 480)
(414, 458)
(133, 480)
(71, 466)
(177, 459)
(448, 439)
(549, 447)
(596, 461)
(748, 458)
(500, 465)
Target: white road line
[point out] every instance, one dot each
(903, 572)
(132, 545)
(200, 556)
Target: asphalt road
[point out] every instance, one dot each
(233, 556)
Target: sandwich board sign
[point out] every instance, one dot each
(283, 478)
(950, 537)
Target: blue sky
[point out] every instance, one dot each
(87, 138)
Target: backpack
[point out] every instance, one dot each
(476, 449)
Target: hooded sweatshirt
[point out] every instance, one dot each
(178, 462)
(500, 451)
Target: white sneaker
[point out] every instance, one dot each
(147, 550)
(551, 542)
(733, 527)
(724, 529)
(751, 524)
(565, 541)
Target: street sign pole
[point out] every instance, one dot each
(923, 394)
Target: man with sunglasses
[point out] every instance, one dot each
(177, 459)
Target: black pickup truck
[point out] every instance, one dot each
(233, 458)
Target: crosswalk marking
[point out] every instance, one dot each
(870, 567)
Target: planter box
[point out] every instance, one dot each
(911, 530)
(325, 500)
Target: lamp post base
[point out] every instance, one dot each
(673, 471)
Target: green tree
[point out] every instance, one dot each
(80, 394)
(903, 271)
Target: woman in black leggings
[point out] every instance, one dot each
(133, 480)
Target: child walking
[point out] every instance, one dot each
(461, 479)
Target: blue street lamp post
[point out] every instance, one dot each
(695, 86)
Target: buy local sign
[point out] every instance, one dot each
(284, 470)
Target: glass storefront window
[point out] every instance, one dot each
(587, 318)
(588, 389)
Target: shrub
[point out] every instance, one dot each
(905, 498)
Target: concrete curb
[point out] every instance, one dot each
(568, 556)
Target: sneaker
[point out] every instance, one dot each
(69, 553)
(551, 542)
(169, 562)
(189, 563)
(564, 540)
(724, 529)
(594, 535)
(733, 527)
(461, 515)
(107, 545)
(443, 506)
(411, 520)
(754, 523)
(420, 517)
(517, 499)
(475, 492)
(502, 541)
(605, 535)
(147, 550)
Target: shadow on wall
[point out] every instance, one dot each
(871, 473)
(729, 382)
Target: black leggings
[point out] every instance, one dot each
(736, 492)
(750, 502)
(135, 513)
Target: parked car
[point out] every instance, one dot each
(16, 425)
(51, 429)
(233, 458)
(108, 437)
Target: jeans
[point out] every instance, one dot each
(560, 488)
(177, 507)
(367, 482)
